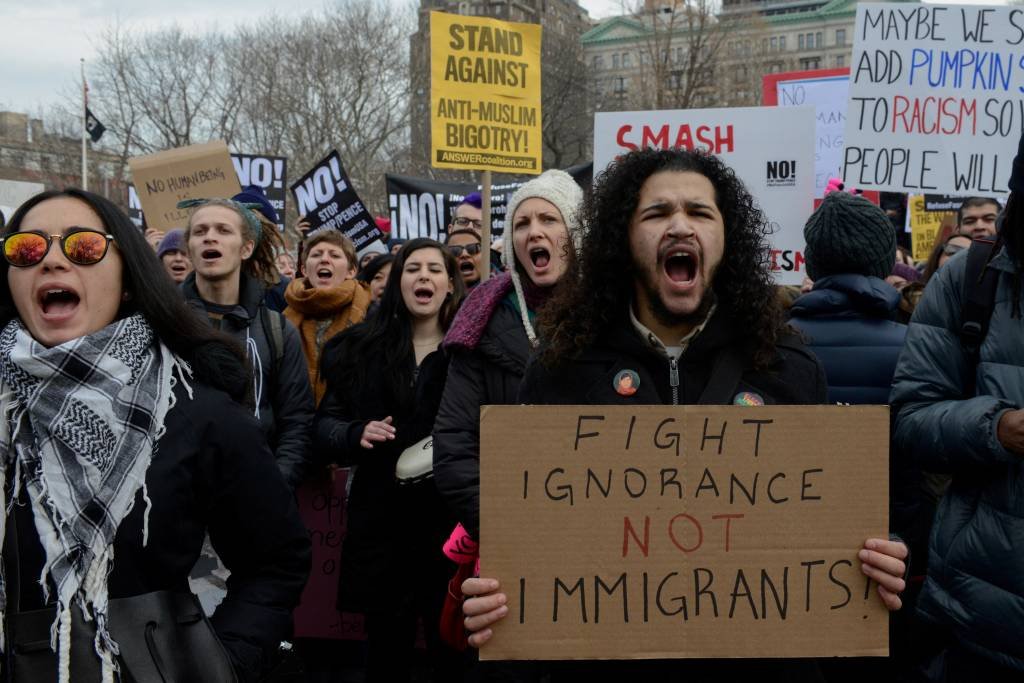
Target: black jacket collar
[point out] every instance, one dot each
(250, 297)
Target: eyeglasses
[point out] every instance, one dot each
(463, 222)
(82, 246)
(471, 249)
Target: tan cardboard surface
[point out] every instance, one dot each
(623, 533)
(194, 172)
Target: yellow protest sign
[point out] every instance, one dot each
(485, 94)
(925, 226)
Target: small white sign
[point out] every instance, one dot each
(936, 98)
(828, 95)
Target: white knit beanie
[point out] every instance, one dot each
(559, 188)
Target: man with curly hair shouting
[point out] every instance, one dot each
(671, 301)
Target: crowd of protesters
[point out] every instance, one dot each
(163, 391)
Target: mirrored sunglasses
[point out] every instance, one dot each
(81, 246)
(471, 249)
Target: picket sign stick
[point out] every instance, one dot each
(485, 222)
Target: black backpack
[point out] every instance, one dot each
(273, 328)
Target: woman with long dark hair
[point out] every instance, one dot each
(384, 382)
(122, 444)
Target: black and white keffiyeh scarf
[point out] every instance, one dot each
(79, 423)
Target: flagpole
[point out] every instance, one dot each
(85, 106)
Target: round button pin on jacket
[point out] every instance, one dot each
(626, 383)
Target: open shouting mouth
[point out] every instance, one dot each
(540, 257)
(681, 265)
(423, 295)
(58, 303)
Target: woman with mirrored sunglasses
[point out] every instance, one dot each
(465, 246)
(122, 444)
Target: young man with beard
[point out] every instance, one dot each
(672, 287)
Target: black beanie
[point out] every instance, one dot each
(849, 234)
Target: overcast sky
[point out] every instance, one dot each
(41, 41)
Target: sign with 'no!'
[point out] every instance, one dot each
(327, 199)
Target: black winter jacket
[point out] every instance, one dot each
(975, 582)
(849, 324)
(487, 374)
(211, 473)
(391, 528)
(794, 378)
(282, 392)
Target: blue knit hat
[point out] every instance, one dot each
(254, 194)
(174, 240)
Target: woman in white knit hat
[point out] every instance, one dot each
(493, 335)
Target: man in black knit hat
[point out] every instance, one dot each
(957, 401)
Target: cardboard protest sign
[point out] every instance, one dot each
(327, 199)
(934, 98)
(423, 207)
(322, 508)
(485, 94)
(165, 178)
(926, 225)
(267, 172)
(622, 532)
(770, 148)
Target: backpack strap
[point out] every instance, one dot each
(979, 296)
(273, 329)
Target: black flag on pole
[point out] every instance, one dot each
(93, 126)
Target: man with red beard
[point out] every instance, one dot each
(671, 301)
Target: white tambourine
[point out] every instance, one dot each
(416, 462)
